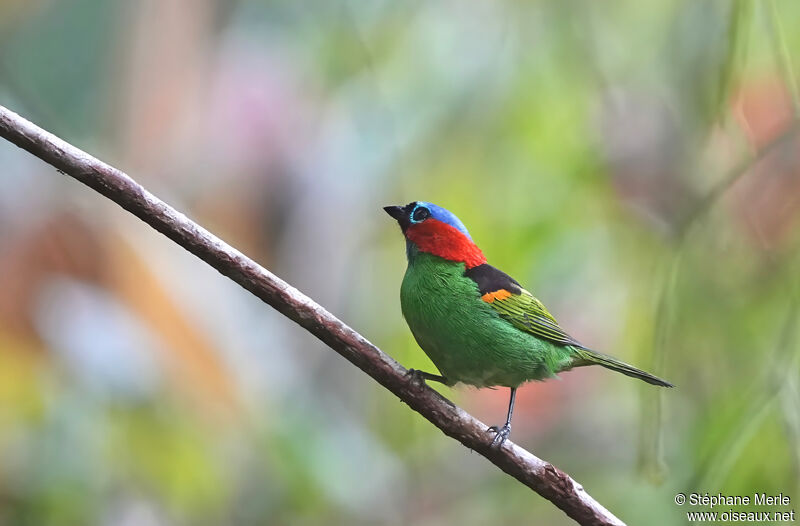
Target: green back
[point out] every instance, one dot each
(465, 337)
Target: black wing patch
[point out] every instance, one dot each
(491, 279)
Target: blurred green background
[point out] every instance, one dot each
(606, 154)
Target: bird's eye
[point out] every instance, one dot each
(420, 214)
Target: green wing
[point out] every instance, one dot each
(527, 313)
(517, 305)
(520, 308)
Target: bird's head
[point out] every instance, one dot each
(435, 230)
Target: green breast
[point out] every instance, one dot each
(465, 337)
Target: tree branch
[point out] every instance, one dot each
(541, 476)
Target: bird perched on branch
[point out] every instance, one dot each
(476, 323)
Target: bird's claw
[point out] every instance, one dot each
(500, 435)
(416, 376)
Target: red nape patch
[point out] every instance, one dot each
(440, 239)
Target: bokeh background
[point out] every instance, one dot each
(632, 163)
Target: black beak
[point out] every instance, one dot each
(396, 212)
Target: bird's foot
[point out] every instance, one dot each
(417, 376)
(420, 377)
(500, 434)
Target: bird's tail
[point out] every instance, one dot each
(589, 357)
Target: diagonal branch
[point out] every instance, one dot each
(537, 474)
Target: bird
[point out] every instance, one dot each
(476, 323)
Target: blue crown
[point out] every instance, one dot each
(445, 216)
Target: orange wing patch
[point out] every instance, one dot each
(501, 294)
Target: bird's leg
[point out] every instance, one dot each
(421, 376)
(501, 433)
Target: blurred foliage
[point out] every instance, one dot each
(605, 154)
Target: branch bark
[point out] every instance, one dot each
(539, 475)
